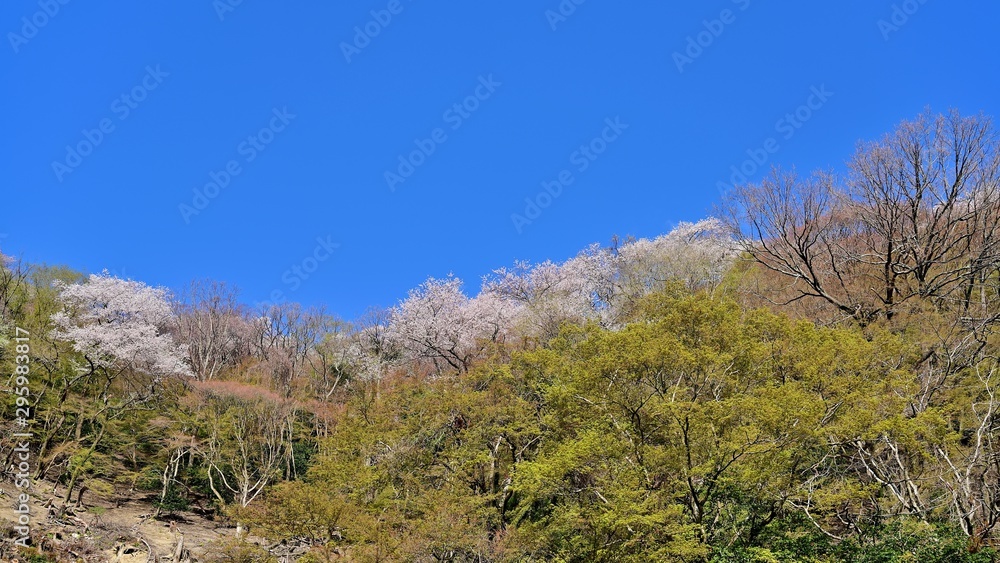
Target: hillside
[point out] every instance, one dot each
(811, 375)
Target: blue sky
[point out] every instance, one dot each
(117, 114)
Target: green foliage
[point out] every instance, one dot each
(300, 510)
(904, 540)
(688, 428)
(302, 455)
(149, 479)
(239, 551)
(419, 469)
(908, 540)
(34, 556)
(173, 501)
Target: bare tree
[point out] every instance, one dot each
(926, 198)
(282, 337)
(917, 217)
(214, 326)
(332, 361)
(799, 229)
(970, 470)
(13, 286)
(248, 438)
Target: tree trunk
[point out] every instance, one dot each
(76, 472)
(179, 550)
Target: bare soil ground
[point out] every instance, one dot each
(105, 531)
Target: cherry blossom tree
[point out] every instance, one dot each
(438, 322)
(549, 294)
(374, 346)
(603, 284)
(696, 254)
(496, 316)
(120, 325)
(121, 329)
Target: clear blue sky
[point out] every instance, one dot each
(199, 79)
